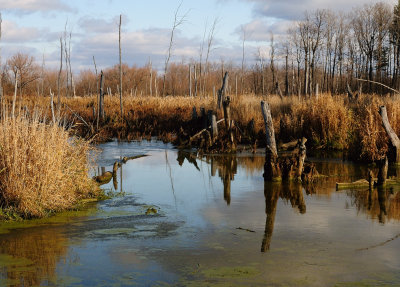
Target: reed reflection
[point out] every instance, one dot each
(29, 257)
(290, 192)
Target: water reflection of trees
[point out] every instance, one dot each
(290, 192)
(381, 203)
(33, 253)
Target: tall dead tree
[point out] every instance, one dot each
(271, 168)
(209, 47)
(394, 140)
(15, 94)
(101, 97)
(59, 81)
(1, 71)
(98, 95)
(120, 67)
(177, 22)
(221, 92)
(243, 55)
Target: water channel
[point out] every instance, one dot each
(179, 219)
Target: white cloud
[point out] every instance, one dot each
(31, 6)
(100, 25)
(260, 30)
(14, 33)
(294, 9)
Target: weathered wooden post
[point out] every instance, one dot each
(190, 81)
(214, 127)
(221, 92)
(394, 140)
(302, 157)
(101, 97)
(382, 173)
(271, 168)
(227, 117)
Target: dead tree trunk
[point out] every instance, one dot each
(394, 140)
(227, 116)
(101, 97)
(271, 168)
(15, 94)
(120, 68)
(214, 127)
(382, 173)
(301, 158)
(221, 92)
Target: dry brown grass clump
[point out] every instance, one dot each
(42, 169)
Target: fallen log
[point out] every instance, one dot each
(125, 159)
(363, 183)
(108, 175)
(104, 178)
(202, 131)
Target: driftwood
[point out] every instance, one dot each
(106, 176)
(363, 183)
(288, 146)
(203, 131)
(394, 140)
(370, 182)
(377, 83)
(125, 159)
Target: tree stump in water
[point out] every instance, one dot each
(287, 167)
(382, 173)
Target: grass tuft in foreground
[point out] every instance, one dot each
(42, 169)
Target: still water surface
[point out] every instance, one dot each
(217, 224)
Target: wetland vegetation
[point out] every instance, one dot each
(192, 207)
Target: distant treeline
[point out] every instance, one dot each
(326, 51)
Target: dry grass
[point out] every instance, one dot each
(328, 123)
(43, 169)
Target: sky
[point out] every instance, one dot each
(35, 27)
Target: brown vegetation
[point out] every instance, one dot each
(329, 122)
(42, 169)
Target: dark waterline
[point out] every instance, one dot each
(217, 224)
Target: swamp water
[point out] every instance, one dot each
(181, 220)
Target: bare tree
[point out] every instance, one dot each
(272, 62)
(26, 68)
(120, 67)
(1, 73)
(59, 80)
(178, 20)
(243, 54)
(210, 41)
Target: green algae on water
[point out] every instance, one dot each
(231, 272)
